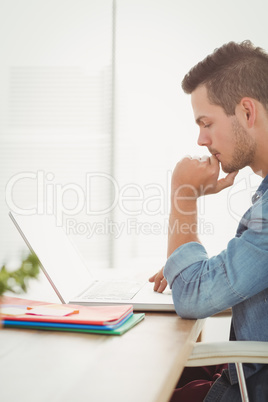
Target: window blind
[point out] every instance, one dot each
(56, 117)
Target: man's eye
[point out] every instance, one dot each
(206, 125)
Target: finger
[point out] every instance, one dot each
(204, 158)
(162, 286)
(152, 278)
(157, 281)
(226, 181)
(159, 273)
(214, 161)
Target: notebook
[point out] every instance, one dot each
(29, 314)
(70, 277)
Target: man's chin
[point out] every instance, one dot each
(228, 169)
(231, 169)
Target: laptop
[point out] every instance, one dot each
(71, 279)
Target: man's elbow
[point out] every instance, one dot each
(190, 313)
(189, 304)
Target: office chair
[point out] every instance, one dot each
(238, 352)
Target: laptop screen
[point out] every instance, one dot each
(59, 259)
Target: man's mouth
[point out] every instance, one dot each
(214, 152)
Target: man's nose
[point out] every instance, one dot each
(203, 138)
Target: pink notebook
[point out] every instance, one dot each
(18, 309)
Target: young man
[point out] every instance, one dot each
(229, 93)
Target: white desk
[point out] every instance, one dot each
(143, 365)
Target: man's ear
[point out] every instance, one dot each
(247, 111)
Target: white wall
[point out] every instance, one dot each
(157, 42)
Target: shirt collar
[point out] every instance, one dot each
(261, 190)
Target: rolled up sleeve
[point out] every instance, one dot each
(186, 255)
(203, 286)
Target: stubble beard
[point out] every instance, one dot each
(244, 149)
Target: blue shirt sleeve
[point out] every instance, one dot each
(203, 286)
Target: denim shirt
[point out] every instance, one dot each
(237, 278)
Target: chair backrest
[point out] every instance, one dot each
(228, 352)
(238, 352)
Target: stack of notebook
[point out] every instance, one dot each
(29, 314)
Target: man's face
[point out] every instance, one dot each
(223, 135)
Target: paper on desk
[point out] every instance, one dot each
(52, 310)
(13, 310)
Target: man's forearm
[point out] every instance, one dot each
(191, 178)
(182, 223)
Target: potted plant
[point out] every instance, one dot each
(16, 280)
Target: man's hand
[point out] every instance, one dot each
(192, 178)
(195, 177)
(160, 283)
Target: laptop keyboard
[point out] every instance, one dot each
(116, 290)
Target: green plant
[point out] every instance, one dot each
(16, 281)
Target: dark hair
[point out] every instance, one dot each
(230, 73)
